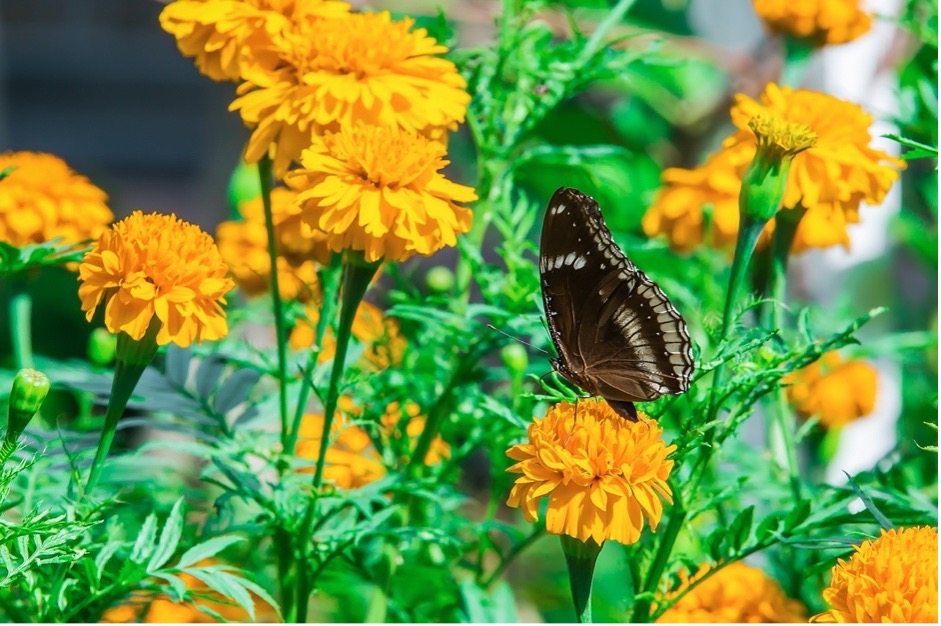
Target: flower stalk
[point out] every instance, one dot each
(580, 557)
(20, 312)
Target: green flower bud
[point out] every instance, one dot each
(514, 357)
(30, 388)
(244, 185)
(765, 179)
(439, 279)
(102, 346)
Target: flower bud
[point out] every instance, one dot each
(244, 185)
(439, 279)
(765, 179)
(30, 388)
(514, 357)
(102, 346)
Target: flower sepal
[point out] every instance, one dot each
(30, 388)
(580, 557)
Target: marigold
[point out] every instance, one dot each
(836, 391)
(244, 248)
(156, 267)
(42, 199)
(737, 593)
(379, 190)
(822, 21)
(602, 474)
(362, 68)
(240, 39)
(892, 579)
(352, 461)
(408, 425)
(830, 179)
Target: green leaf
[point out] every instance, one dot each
(884, 521)
(229, 586)
(169, 538)
(207, 549)
(144, 546)
(797, 515)
(740, 528)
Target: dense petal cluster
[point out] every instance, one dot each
(352, 460)
(378, 189)
(822, 21)
(892, 579)
(41, 198)
(240, 39)
(603, 475)
(362, 68)
(830, 179)
(836, 391)
(157, 267)
(737, 593)
(244, 248)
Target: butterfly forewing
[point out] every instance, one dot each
(617, 334)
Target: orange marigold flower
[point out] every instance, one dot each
(244, 248)
(830, 179)
(362, 68)
(822, 21)
(836, 391)
(352, 461)
(41, 198)
(737, 593)
(240, 39)
(409, 424)
(157, 268)
(602, 474)
(379, 190)
(892, 579)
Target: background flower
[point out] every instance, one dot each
(352, 460)
(362, 68)
(737, 593)
(379, 190)
(42, 199)
(836, 391)
(157, 266)
(407, 426)
(892, 579)
(823, 21)
(602, 474)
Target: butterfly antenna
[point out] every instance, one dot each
(517, 339)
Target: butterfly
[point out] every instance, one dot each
(617, 334)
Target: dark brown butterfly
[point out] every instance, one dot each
(617, 334)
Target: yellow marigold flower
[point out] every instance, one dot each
(737, 593)
(892, 579)
(379, 190)
(830, 179)
(837, 391)
(42, 199)
(352, 460)
(410, 424)
(602, 474)
(240, 39)
(157, 268)
(244, 248)
(362, 68)
(822, 21)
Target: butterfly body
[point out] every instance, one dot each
(617, 334)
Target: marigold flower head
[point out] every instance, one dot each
(41, 198)
(155, 267)
(830, 179)
(240, 39)
(244, 248)
(892, 579)
(379, 190)
(408, 425)
(362, 68)
(602, 474)
(836, 391)
(352, 461)
(737, 593)
(822, 21)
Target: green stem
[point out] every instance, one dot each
(492, 170)
(265, 177)
(661, 558)
(799, 53)
(580, 557)
(20, 309)
(356, 279)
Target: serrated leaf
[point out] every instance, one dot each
(207, 375)
(206, 549)
(740, 528)
(144, 545)
(259, 591)
(884, 521)
(234, 390)
(767, 527)
(227, 585)
(797, 515)
(102, 558)
(176, 583)
(169, 538)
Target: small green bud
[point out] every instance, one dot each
(514, 357)
(30, 388)
(244, 185)
(439, 279)
(102, 346)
